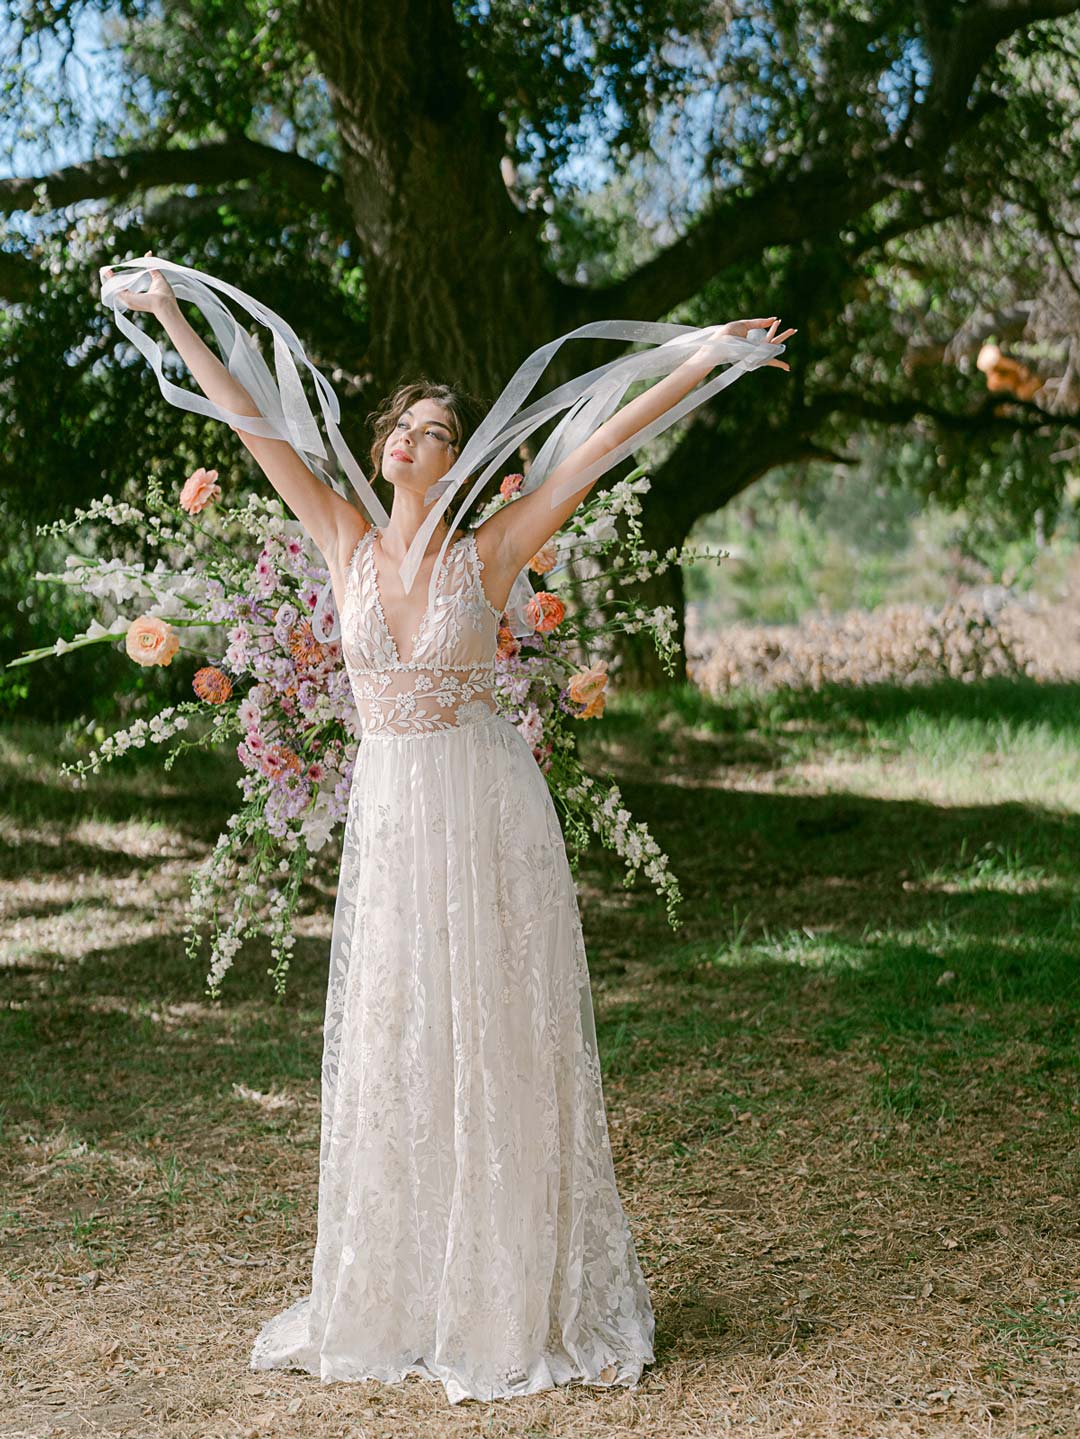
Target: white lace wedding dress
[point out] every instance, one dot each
(469, 1226)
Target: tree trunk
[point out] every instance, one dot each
(453, 268)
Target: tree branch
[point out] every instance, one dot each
(959, 43)
(118, 176)
(734, 463)
(832, 193)
(902, 410)
(785, 211)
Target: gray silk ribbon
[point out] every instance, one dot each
(588, 399)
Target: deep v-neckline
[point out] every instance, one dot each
(377, 592)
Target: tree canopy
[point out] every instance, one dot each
(439, 187)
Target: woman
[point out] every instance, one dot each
(469, 1225)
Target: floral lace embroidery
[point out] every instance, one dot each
(470, 1228)
(450, 677)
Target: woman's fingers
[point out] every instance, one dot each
(771, 321)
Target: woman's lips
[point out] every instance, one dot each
(400, 455)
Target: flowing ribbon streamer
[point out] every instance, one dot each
(284, 411)
(591, 398)
(588, 399)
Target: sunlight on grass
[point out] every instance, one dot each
(844, 1098)
(958, 773)
(961, 759)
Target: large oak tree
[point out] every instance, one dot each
(407, 184)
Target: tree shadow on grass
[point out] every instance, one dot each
(194, 798)
(873, 899)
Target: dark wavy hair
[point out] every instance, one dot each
(465, 409)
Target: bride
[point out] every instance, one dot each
(470, 1230)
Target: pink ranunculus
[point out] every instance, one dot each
(199, 490)
(248, 712)
(531, 727)
(510, 485)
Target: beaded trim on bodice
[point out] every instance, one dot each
(449, 678)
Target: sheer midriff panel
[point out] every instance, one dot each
(405, 701)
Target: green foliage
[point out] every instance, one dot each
(627, 125)
(829, 538)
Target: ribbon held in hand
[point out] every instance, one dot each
(584, 403)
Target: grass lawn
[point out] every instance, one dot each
(844, 1097)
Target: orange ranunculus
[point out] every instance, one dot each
(289, 758)
(212, 685)
(545, 558)
(150, 641)
(545, 611)
(510, 485)
(508, 643)
(304, 647)
(586, 686)
(199, 490)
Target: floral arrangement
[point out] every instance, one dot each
(240, 593)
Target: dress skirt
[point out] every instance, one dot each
(469, 1226)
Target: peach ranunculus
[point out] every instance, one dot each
(545, 558)
(150, 641)
(588, 688)
(510, 485)
(584, 686)
(199, 490)
(508, 643)
(545, 611)
(212, 685)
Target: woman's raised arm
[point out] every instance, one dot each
(333, 524)
(518, 531)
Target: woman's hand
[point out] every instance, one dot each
(158, 299)
(741, 329)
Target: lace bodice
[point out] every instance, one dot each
(449, 677)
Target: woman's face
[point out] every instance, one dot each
(419, 449)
